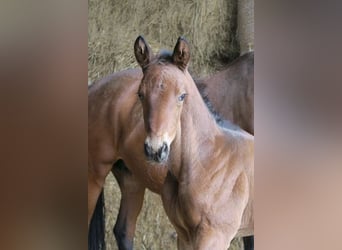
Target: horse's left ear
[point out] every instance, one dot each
(142, 52)
(181, 53)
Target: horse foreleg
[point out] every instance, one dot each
(96, 179)
(132, 197)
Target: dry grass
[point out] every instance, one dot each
(114, 25)
(208, 25)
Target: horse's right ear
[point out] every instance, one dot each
(142, 52)
(181, 53)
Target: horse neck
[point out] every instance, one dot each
(196, 117)
(197, 129)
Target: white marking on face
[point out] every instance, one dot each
(156, 142)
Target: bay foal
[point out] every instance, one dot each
(116, 134)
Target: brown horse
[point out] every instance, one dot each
(116, 129)
(231, 91)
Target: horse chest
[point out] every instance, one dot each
(132, 153)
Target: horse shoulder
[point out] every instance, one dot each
(245, 186)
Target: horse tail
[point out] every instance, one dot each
(248, 242)
(96, 232)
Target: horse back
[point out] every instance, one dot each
(231, 91)
(110, 102)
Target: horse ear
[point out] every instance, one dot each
(181, 53)
(142, 52)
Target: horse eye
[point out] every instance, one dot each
(181, 97)
(141, 96)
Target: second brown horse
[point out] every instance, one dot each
(231, 91)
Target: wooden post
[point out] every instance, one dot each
(246, 25)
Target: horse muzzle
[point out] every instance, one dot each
(158, 155)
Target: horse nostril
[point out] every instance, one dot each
(164, 148)
(163, 152)
(147, 149)
(159, 155)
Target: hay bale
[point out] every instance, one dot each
(209, 26)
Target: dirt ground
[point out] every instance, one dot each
(154, 231)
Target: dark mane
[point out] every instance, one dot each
(218, 118)
(164, 57)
